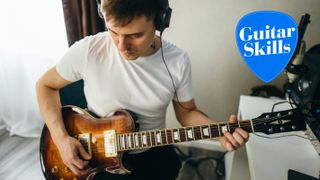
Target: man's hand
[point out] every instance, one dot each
(233, 141)
(74, 156)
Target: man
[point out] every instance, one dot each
(124, 68)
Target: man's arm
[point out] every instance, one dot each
(50, 108)
(188, 115)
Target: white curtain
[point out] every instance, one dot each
(32, 39)
(33, 27)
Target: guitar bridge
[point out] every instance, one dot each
(110, 146)
(85, 140)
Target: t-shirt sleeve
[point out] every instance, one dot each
(184, 88)
(72, 64)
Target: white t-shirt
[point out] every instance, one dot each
(142, 86)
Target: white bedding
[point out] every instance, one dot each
(19, 158)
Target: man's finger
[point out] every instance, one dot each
(83, 153)
(227, 145)
(231, 139)
(238, 138)
(232, 119)
(243, 133)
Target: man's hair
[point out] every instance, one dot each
(124, 11)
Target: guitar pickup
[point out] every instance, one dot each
(85, 140)
(110, 146)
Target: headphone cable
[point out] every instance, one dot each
(173, 84)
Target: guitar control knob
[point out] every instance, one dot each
(270, 130)
(55, 169)
(281, 128)
(290, 112)
(279, 115)
(267, 116)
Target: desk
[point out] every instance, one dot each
(271, 158)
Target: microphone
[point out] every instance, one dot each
(295, 68)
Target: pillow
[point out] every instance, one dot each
(19, 112)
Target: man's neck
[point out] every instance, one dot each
(154, 47)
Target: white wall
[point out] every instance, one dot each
(205, 29)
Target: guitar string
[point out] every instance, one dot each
(233, 125)
(196, 129)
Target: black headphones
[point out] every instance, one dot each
(163, 16)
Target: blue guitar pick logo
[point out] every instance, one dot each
(267, 41)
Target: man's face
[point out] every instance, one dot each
(134, 39)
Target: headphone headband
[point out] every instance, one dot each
(162, 17)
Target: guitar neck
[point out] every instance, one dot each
(153, 138)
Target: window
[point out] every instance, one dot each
(33, 27)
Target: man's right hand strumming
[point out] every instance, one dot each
(74, 155)
(71, 150)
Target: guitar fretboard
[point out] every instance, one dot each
(152, 138)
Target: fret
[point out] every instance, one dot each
(189, 132)
(132, 140)
(224, 129)
(169, 136)
(158, 138)
(172, 136)
(144, 139)
(247, 126)
(118, 143)
(183, 134)
(136, 140)
(153, 139)
(228, 126)
(252, 129)
(239, 124)
(218, 124)
(197, 132)
(176, 135)
(215, 130)
(140, 139)
(205, 131)
(201, 134)
(163, 137)
(149, 138)
(165, 132)
(123, 143)
(128, 141)
(232, 127)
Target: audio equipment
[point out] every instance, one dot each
(162, 17)
(295, 68)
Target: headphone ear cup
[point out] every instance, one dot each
(99, 9)
(100, 14)
(162, 19)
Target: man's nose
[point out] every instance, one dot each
(123, 43)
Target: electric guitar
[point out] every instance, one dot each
(107, 139)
